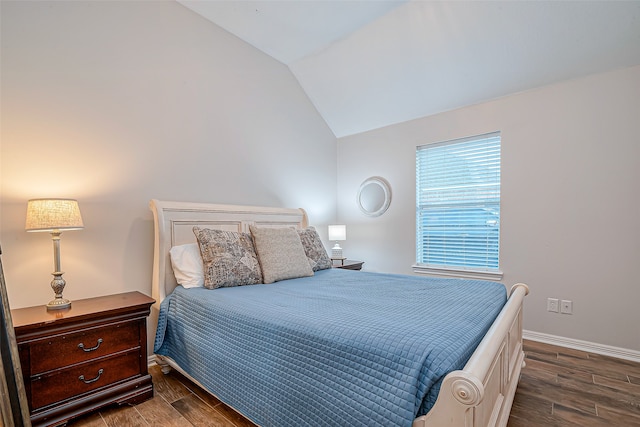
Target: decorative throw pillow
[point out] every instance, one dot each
(187, 265)
(313, 247)
(280, 253)
(229, 258)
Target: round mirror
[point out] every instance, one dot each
(374, 196)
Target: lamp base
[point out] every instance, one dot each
(336, 252)
(58, 304)
(57, 284)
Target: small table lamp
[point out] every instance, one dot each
(54, 216)
(336, 233)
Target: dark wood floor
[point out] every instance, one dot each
(559, 387)
(565, 387)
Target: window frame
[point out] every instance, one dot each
(453, 270)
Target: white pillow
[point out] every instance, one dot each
(187, 265)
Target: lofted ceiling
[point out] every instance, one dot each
(367, 64)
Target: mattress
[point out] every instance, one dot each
(340, 348)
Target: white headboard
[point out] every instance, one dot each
(174, 221)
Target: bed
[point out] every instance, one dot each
(302, 351)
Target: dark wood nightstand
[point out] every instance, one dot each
(85, 357)
(348, 264)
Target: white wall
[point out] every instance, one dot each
(570, 199)
(115, 103)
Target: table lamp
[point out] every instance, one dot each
(54, 216)
(336, 233)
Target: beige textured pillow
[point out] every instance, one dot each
(280, 254)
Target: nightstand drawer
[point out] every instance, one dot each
(78, 380)
(58, 351)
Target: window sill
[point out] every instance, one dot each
(454, 272)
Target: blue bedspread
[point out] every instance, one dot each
(341, 348)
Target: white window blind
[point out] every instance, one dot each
(458, 203)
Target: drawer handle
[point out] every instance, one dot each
(81, 345)
(81, 377)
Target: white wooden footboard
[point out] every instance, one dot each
(481, 394)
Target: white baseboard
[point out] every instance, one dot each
(606, 350)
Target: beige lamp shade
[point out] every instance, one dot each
(53, 214)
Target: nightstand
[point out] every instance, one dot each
(85, 357)
(349, 264)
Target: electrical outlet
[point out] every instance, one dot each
(566, 306)
(553, 304)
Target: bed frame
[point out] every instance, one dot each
(481, 394)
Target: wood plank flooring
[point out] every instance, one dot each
(559, 387)
(565, 387)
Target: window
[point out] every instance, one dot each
(458, 207)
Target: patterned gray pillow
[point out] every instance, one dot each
(313, 247)
(229, 258)
(280, 253)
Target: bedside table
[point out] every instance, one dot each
(349, 264)
(88, 356)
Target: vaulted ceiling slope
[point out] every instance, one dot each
(368, 64)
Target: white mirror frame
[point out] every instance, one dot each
(384, 185)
